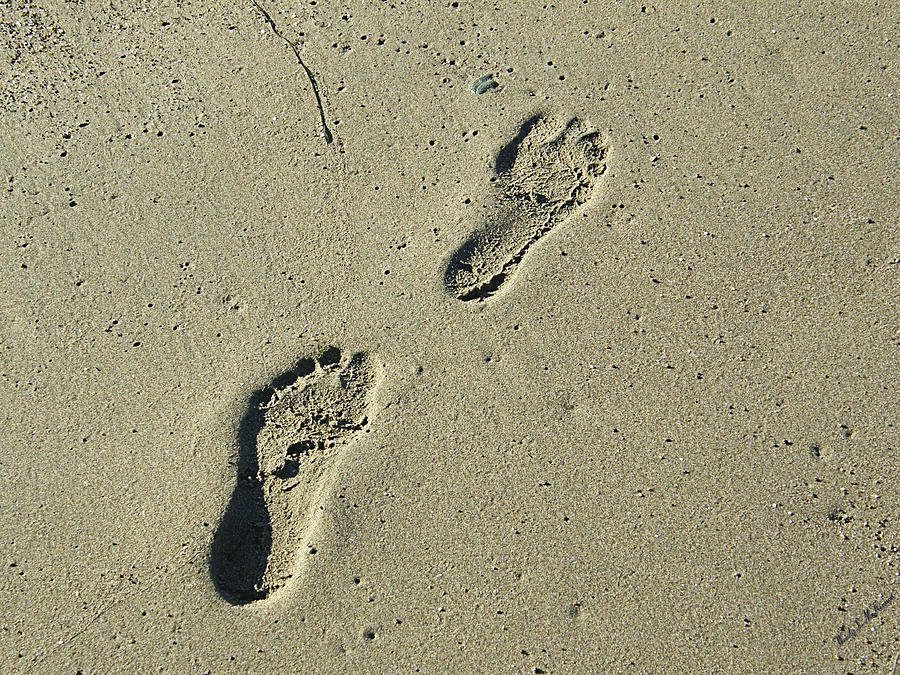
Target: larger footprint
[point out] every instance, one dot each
(291, 441)
(543, 175)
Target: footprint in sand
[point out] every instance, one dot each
(543, 175)
(292, 439)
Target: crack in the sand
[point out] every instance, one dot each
(326, 132)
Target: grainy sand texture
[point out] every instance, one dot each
(371, 336)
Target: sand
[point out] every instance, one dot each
(268, 406)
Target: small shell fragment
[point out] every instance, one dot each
(483, 84)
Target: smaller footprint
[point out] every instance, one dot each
(291, 442)
(546, 172)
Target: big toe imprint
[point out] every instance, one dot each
(292, 439)
(543, 175)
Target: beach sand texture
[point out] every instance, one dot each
(461, 336)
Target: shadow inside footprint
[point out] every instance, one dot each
(243, 541)
(506, 158)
